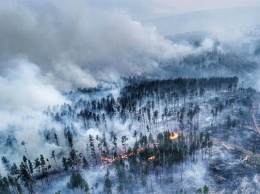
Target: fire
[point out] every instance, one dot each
(246, 158)
(124, 156)
(174, 136)
(110, 160)
(152, 158)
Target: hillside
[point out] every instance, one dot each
(146, 136)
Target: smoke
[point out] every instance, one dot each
(246, 185)
(25, 93)
(51, 47)
(76, 45)
(23, 86)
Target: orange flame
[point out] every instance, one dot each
(152, 158)
(174, 136)
(124, 156)
(110, 160)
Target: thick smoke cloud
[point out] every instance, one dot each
(22, 85)
(75, 45)
(48, 47)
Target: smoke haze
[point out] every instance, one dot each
(75, 45)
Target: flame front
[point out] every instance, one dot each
(174, 136)
(124, 155)
(110, 160)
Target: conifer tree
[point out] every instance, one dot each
(107, 183)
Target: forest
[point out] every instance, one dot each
(141, 135)
(129, 97)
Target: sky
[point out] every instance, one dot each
(150, 9)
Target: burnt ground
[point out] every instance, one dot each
(235, 164)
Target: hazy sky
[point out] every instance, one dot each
(147, 9)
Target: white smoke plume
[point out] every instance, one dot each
(74, 44)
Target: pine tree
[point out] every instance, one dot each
(107, 183)
(4, 185)
(78, 182)
(85, 163)
(44, 168)
(123, 140)
(15, 171)
(92, 148)
(65, 164)
(205, 189)
(26, 176)
(6, 163)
